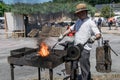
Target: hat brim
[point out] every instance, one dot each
(81, 10)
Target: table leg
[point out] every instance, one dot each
(12, 71)
(39, 75)
(51, 74)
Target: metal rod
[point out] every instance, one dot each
(54, 45)
(51, 74)
(113, 51)
(39, 75)
(12, 71)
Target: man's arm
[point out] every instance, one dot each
(64, 34)
(98, 36)
(96, 31)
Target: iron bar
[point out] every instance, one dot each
(12, 71)
(51, 74)
(39, 74)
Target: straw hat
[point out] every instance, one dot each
(81, 7)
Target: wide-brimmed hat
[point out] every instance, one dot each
(81, 7)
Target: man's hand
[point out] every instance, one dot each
(92, 39)
(60, 37)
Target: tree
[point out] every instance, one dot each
(4, 8)
(92, 10)
(48, 7)
(107, 12)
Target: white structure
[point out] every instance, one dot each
(117, 13)
(14, 23)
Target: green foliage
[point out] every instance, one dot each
(65, 1)
(55, 6)
(22, 8)
(48, 7)
(107, 12)
(43, 8)
(4, 8)
(92, 10)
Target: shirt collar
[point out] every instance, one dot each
(84, 19)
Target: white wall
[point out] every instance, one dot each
(14, 21)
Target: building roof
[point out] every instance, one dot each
(116, 7)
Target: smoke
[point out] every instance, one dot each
(48, 35)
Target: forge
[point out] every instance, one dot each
(29, 57)
(49, 58)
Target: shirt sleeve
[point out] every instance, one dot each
(72, 27)
(94, 28)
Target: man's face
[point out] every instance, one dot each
(82, 14)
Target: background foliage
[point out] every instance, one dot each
(4, 8)
(107, 12)
(54, 7)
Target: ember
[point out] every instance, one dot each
(43, 50)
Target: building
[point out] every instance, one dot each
(115, 7)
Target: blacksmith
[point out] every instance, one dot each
(86, 31)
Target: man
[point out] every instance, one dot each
(99, 23)
(86, 31)
(110, 22)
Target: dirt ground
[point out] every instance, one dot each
(30, 73)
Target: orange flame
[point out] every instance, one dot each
(43, 50)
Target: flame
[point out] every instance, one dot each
(43, 50)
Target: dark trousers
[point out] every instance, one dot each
(85, 65)
(109, 24)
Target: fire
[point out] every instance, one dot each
(43, 50)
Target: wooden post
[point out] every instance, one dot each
(24, 31)
(5, 25)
